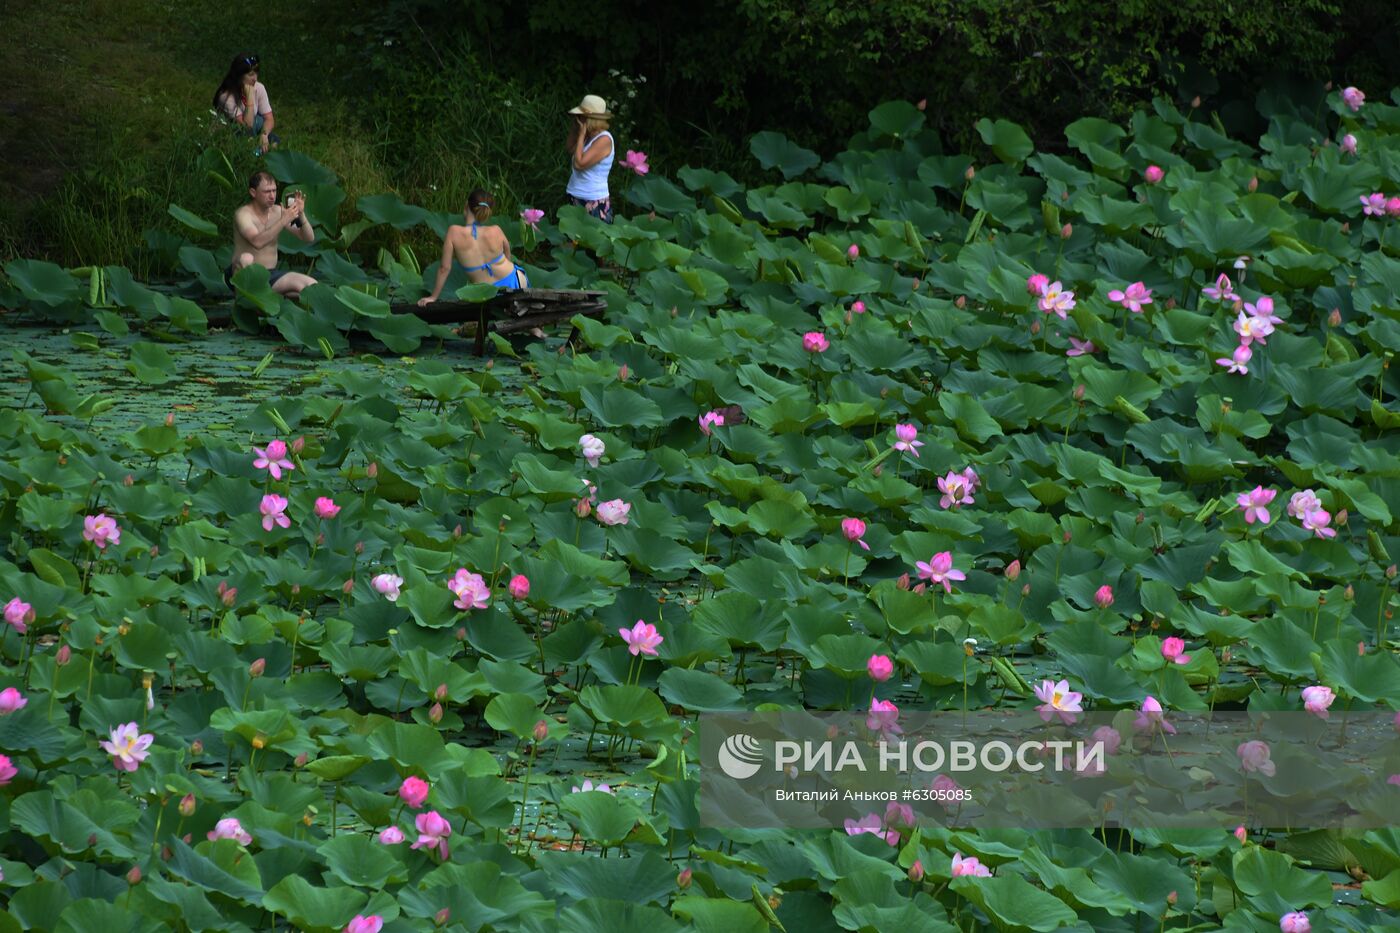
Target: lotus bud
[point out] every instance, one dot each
(461, 634)
(457, 530)
(1253, 185)
(622, 372)
(260, 741)
(1025, 590)
(674, 312)
(1079, 392)
(435, 713)
(92, 840)
(1066, 231)
(301, 760)
(853, 252)
(970, 174)
(879, 469)
(885, 392)
(348, 586)
(1346, 226)
(165, 853)
(1171, 898)
(1013, 570)
(1171, 303)
(440, 693)
(441, 917)
(832, 731)
(133, 877)
(490, 364)
(228, 597)
(187, 805)
(1342, 518)
(1064, 195)
(1327, 86)
(223, 585)
(915, 285)
(372, 470)
(916, 871)
(583, 508)
(1225, 655)
(541, 731)
(1334, 319)
(170, 420)
(296, 589)
(196, 748)
(1196, 102)
(1035, 328)
(128, 480)
(1241, 833)
(903, 582)
(299, 445)
(774, 902)
(1066, 537)
(1391, 571)
(64, 655)
(848, 317)
(257, 667)
(960, 301)
(359, 547)
(919, 589)
(683, 879)
(922, 104)
(1360, 649)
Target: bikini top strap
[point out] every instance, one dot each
(473, 229)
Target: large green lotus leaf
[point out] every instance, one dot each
(298, 168)
(151, 363)
(623, 705)
(90, 913)
(193, 221)
(777, 210)
(698, 690)
(43, 282)
(606, 915)
(401, 333)
(1115, 215)
(389, 209)
(774, 150)
(897, 118)
(514, 713)
(1007, 140)
(618, 407)
(714, 915)
(251, 283)
(1014, 903)
(645, 879)
(719, 184)
(72, 823)
(1261, 873)
(659, 194)
(1370, 678)
(307, 905)
(600, 817)
(359, 861)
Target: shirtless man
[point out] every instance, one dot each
(257, 225)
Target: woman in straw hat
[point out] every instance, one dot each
(591, 146)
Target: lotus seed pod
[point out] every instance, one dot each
(260, 741)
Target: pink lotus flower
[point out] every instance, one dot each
(939, 570)
(128, 746)
(519, 586)
(1348, 144)
(11, 700)
(858, 307)
(588, 785)
(1237, 362)
(637, 162)
(388, 585)
(641, 638)
(1301, 503)
(945, 785)
(592, 449)
(899, 814)
(1081, 347)
(433, 831)
(470, 589)
(274, 512)
(1153, 174)
(1172, 649)
(970, 477)
(19, 614)
(361, 924)
(814, 342)
(710, 419)
(871, 823)
(391, 836)
(1222, 290)
(1316, 699)
(273, 458)
(1392, 207)
(1057, 301)
(904, 438)
(955, 491)
(1151, 715)
(7, 770)
(1317, 521)
(229, 828)
(854, 530)
(883, 718)
(1058, 700)
(1373, 205)
(1263, 310)
(1254, 756)
(532, 216)
(613, 512)
(879, 667)
(1109, 738)
(1037, 284)
(853, 252)
(326, 507)
(1134, 297)
(1297, 921)
(414, 792)
(101, 530)
(1256, 504)
(1103, 596)
(969, 867)
(1394, 779)
(1353, 98)
(1252, 329)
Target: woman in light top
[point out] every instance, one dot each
(242, 99)
(482, 252)
(592, 150)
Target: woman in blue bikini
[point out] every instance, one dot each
(482, 252)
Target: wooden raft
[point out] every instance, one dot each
(511, 311)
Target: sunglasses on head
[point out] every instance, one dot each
(251, 61)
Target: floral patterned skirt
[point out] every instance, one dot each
(602, 209)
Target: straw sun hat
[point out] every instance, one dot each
(592, 106)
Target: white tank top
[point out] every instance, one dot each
(591, 184)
